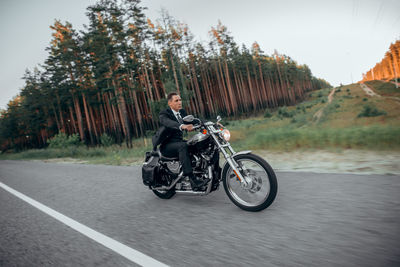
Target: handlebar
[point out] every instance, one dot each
(198, 123)
(195, 127)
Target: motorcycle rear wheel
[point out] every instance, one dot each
(264, 185)
(164, 194)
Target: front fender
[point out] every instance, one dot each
(237, 153)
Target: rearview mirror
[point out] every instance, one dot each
(219, 118)
(188, 118)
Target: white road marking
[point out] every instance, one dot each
(125, 251)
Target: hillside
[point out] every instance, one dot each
(350, 119)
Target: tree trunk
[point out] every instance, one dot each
(79, 117)
(88, 124)
(175, 76)
(71, 114)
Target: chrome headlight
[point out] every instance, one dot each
(226, 134)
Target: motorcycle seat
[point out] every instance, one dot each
(169, 159)
(163, 158)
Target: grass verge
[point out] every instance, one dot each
(374, 137)
(113, 155)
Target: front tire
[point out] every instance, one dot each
(264, 185)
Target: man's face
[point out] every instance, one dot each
(175, 103)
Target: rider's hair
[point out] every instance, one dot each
(170, 95)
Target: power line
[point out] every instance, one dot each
(355, 8)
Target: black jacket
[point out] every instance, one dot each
(169, 130)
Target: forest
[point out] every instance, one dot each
(389, 67)
(112, 78)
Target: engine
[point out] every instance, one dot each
(173, 166)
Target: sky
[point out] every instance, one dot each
(338, 39)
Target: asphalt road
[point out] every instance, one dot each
(316, 220)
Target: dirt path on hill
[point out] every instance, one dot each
(330, 96)
(317, 116)
(368, 90)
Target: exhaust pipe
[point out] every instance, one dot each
(191, 192)
(168, 187)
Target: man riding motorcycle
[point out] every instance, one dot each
(170, 136)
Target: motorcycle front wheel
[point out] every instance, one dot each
(261, 189)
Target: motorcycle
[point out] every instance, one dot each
(248, 180)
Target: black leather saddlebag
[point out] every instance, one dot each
(150, 168)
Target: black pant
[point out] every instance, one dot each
(179, 149)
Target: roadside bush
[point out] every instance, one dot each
(267, 113)
(283, 112)
(371, 111)
(301, 108)
(365, 99)
(62, 140)
(106, 140)
(310, 105)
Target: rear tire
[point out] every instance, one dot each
(160, 179)
(165, 194)
(229, 178)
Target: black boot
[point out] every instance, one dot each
(197, 183)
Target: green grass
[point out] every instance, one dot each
(384, 88)
(340, 126)
(113, 155)
(290, 138)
